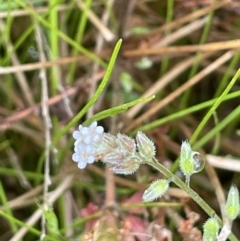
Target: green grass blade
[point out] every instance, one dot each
(4, 201)
(96, 94)
(88, 105)
(62, 35)
(214, 107)
(19, 223)
(184, 112)
(116, 110)
(223, 124)
(78, 39)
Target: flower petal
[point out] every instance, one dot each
(90, 159)
(82, 164)
(76, 134)
(75, 157)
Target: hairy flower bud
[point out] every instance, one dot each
(145, 146)
(114, 157)
(186, 163)
(190, 161)
(109, 141)
(156, 190)
(126, 143)
(129, 166)
(232, 207)
(210, 230)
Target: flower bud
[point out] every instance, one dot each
(145, 146)
(156, 190)
(186, 163)
(109, 141)
(128, 167)
(126, 143)
(210, 230)
(232, 206)
(114, 157)
(190, 161)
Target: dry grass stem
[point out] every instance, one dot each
(19, 13)
(4, 123)
(165, 80)
(217, 46)
(221, 60)
(224, 163)
(52, 197)
(181, 32)
(192, 16)
(22, 81)
(106, 33)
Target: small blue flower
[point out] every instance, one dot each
(88, 134)
(87, 139)
(78, 134)
(83, 155)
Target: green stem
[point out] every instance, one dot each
(20, 223)
(182, 113)
(154, 163)
(4, 201)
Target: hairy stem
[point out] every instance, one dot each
(154, 163)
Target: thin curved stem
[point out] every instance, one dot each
(154, 163)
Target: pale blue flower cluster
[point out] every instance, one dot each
(87, 140)
(121, 151)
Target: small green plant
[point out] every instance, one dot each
(75, 53)
(126, 155)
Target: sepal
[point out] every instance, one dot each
(210, 230)
(157, 189)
